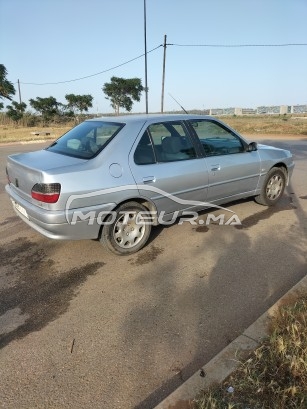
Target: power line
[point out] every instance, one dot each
(92, 75)
(169, 44)
(239, 45)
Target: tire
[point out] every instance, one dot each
(128, 232)
(273, 187)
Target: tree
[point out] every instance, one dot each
(47, 107)
(78, 102)
(16, 110)
(122, 92)
(7, 89)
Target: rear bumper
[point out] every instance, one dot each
(73, 224)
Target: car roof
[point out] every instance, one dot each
(148, 117)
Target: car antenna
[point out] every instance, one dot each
(177, 103)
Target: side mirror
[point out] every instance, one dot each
(252, 147)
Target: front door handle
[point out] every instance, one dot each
(214, 168)
(149, 179)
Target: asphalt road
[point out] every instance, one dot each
(81, 328)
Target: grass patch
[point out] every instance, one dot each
(11, 133)
(268, 124)
(275, 375)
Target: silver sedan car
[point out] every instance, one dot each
(113, 178)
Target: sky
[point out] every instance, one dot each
(52, 41)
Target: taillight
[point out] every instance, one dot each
(46, 192)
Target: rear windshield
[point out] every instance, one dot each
(86, 140)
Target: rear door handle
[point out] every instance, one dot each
(148, 179)
(214, 168)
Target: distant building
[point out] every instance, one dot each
(275, 109)
(248, 111)
(299, 109)
(216, 111)
(261, 110)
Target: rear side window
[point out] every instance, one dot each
(144, 153)
(86, 140)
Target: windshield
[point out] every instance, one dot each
(86, 140)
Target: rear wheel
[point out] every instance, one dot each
(273, 187)
(128, 231)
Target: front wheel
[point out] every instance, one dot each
(128, 231)
(273, 187)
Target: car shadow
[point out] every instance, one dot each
(285, 203)
(33, 291)
(245, 280)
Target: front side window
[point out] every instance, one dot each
(86, 140)
(216, 139)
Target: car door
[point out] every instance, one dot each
(167, 169)
(232, 170)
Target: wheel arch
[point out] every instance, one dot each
(266, 197)
(141, 200)
(282, 166)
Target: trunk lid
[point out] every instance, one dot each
(24, 170)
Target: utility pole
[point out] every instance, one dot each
(163, 74)
(19, 91)
(145, 41)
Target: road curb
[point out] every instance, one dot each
(225, 362)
